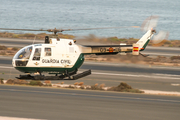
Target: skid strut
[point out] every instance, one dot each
(25, 77)
(39, 77)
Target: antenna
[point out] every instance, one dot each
(34, 39)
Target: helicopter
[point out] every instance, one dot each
(63, 57)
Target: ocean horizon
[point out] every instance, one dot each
(49, 14)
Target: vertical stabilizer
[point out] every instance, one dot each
(145, 39)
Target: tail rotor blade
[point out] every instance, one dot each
(162, 35)
(150, 22)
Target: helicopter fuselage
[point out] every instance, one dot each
(59, 56)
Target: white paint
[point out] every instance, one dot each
(168, 75)
(161, 92)
(164, 48)
(132, 65)
(6, 67)
(175, 84)
(133, 75)
(16, 118)
(162, 54)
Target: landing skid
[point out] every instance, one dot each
(80, 75)
(144, 55)
(71, 76)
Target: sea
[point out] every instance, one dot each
(73, 14)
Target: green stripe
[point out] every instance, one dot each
(78, 64)
(145, 45)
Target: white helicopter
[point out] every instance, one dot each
(63, 57)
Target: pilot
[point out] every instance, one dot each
(37, 55)
(27, 53)
(48, 52)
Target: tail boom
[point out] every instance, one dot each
(143, 42)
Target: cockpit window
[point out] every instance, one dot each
(24, 53)
(37, 54)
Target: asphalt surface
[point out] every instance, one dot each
(138, 76)
(119, 67)
(55, 104)
(66, 104)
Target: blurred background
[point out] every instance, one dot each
(50, 14)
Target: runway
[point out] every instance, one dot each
(54, 104)
(111, 74)
(66, 104)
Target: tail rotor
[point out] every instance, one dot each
(151, 23)
(160, 37)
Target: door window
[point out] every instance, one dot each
(37, 54)
(47, 51)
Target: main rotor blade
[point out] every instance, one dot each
(22, 29)
(100, 28)
(61, 30)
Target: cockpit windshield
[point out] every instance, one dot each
(24, 53)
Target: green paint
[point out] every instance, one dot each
(78, 64)
(145, 45)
